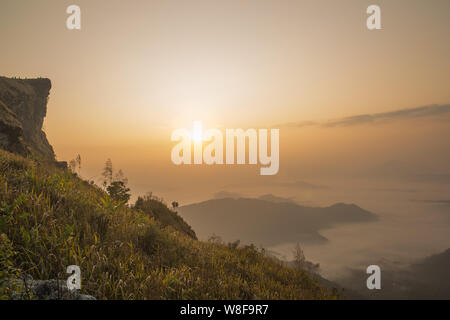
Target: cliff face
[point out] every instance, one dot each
(23, 107)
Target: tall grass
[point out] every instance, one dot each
(50, 219)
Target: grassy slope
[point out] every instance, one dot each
(50, 219)
(156, 209)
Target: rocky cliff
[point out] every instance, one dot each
(23, 107)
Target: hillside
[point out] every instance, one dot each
(267, 222)
(50, 219)
(158, 210)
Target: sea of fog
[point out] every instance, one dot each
(410, 227)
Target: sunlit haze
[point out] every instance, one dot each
(340, 94)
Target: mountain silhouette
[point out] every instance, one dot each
(264, 222)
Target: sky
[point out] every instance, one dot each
(364, 116)
(137, 70)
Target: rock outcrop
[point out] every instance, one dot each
(23, 107)
(45, 290)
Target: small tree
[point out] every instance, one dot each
(115, 185)
(299, 257)
(75, 164)
(119, 191)
(78, 161)
(301, 263)
(107, 173)
(120, 176)
(215, 239)
(175, 205)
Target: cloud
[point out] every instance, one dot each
(443, 178)
(302, 185)
(273, 198)
(300, 124)
(227, 194)
(446, 202)
(393, 190)
(403, 114)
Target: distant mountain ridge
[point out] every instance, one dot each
(260, 221)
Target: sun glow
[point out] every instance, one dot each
(197, 131)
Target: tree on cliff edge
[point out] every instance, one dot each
(115, 185)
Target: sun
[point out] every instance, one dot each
(197, 131)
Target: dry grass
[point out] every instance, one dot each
(50, 219)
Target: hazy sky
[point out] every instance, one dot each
(139, 69)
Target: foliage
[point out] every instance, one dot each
(301, 263)
(115, 185)
(75, 165)
(7, 270)
(107, 173)
(156, 209)
(52, 219)
(119, 191)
